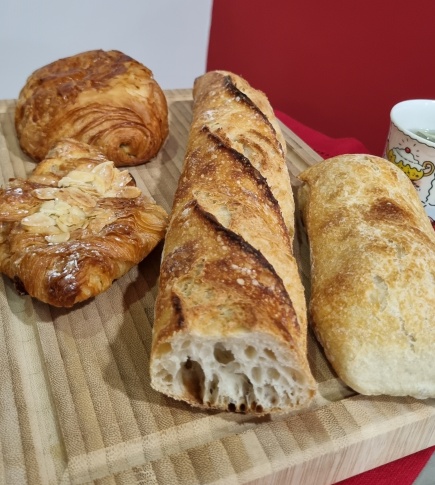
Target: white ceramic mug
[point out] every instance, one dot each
(411, 146)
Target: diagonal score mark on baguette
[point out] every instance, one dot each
(222, 144)
(229, 84)
(271, 285)
(230, 326)
(243, 117)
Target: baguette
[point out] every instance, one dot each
(373, 275)
(230, 316)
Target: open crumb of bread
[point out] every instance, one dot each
(251, 368)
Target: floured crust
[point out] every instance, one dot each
(74, 226)
(103, 98)
(373, 274)
(230, 316)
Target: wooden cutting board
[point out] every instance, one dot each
(76, 404)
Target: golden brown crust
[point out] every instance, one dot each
(228, 269)
(103, 98)
(220, 260)
(101, 235)
(373, 281)
(229, 100)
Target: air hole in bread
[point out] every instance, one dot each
(214, 387)
(273, 374)
(165, 348)
(270, 354)
(250, 352)
(167, 378)
(257, 375)
(193, 378)
(223, 355)
(186, 344)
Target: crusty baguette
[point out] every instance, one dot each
(373, 274)
(230, 317)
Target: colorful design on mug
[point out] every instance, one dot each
(406, 155)
(405, 160)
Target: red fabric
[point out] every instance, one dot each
(324, 145)
(336, 66)
(403, 471)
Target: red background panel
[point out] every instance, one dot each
(337, 66)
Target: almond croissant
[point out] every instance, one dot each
(74, 226)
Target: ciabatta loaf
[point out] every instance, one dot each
(373, 275)
(230, 317)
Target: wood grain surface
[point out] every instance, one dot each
(76, 404)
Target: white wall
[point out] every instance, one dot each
(169, 36)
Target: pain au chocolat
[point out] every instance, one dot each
(102, 98)
(230, 317)
(74, 226)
